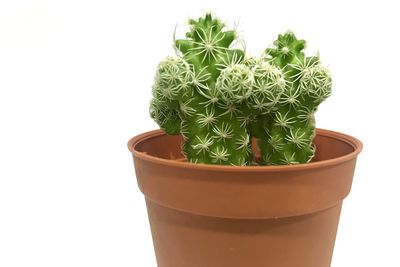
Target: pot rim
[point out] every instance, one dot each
(350, 140)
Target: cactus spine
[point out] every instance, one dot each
(219, 99)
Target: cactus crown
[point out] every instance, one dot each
(219, 99)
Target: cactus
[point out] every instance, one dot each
(218, 99)
(291, 126)
(189, 96)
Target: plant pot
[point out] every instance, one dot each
(254, 216)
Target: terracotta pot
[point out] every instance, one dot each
(255, 216)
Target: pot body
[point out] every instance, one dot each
(217, 216)
(183, 239)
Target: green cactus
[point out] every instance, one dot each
(291, 126)
(189, 98)
(219, 99)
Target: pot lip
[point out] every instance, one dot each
(350, 140)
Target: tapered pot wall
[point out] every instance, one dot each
(183, 239)
(217, 216)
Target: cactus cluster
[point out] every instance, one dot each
(219, 99)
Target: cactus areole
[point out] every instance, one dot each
(219, 99)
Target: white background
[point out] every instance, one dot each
(75, 80)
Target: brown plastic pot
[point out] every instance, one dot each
(255, 216)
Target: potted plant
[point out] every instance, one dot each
(238, 175)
